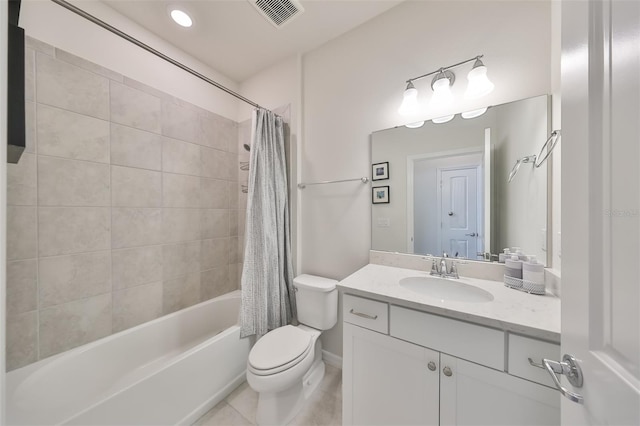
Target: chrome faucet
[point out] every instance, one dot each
(441, 269)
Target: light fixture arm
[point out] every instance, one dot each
(475, 58)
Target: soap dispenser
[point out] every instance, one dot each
(533, 276)
(506, 254)
(513, 272)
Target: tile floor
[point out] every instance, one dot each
(324, 408)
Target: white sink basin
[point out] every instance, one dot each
(446, 289)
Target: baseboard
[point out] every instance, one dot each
(332, 359)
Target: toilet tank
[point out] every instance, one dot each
(316, 301)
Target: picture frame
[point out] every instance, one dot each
(380, 171)
(380, 195)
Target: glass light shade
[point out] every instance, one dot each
(442, 96)
(410, 101)
(475, 113)
(415, 125)
(479, 84)
(181, 18)
(444, 119)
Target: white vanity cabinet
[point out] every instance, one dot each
(432, 370)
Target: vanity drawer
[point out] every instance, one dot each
(458, 338)
(522, 348)
(366, 313)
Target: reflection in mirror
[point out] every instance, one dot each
(449, 184)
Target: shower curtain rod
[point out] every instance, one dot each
(150, 49)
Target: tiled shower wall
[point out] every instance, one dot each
(125, 207)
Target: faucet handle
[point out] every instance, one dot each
(454, 269)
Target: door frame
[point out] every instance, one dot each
(411, 159)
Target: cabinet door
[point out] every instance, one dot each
(477, 395)
(387, 381)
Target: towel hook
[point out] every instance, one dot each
(519, 162)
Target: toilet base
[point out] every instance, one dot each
(279, 408)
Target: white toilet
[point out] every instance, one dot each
(285, 366)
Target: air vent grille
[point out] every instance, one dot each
(278, 12)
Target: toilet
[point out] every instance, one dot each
(285, 366)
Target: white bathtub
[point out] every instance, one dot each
(166, 372)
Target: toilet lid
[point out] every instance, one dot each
(279, 347)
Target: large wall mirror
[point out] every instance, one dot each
(449, 189)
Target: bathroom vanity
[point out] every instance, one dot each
(417, 351)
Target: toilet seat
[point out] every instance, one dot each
(279, 350)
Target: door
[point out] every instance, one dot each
(388, 381)
(601, 208)
(459, 212)
(471, 394)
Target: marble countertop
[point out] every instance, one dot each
(511, 310)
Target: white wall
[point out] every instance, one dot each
(48, 22)
(353, 85)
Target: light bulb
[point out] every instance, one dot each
(442, 96)
(410, 101)
(181, 18)
(475, 113)
(445, 119)
(479, 84)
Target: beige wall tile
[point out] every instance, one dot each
(234, 250)
(233, 223)
(180, 157)
(215, 164)
(214, 253)
(234, 193)
(215, 282)
(68, 183)
(22, 286)
(214, 194)
(72, 88)
(72, 324)
(135, 187)
(69, 230)
(29, 75)
(39, 46)
(215, 223)
(242, 222)
(180, 190)
(30, 127)
(179, 122)
(180, 293)
(21, 233)
(235, 275)
(66, 134)
(136, 305)
(135, 148)
(134, 227)
(21, 181)
(22, 339)
(134, 108)
(67, 278)
(180, 225)
(89, 66)
(217, 132)
(135, 266)
(180, 259)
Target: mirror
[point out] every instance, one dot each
(446, 186)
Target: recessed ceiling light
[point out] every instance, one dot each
(181, 18)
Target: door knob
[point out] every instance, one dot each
(432, 366)
(447, 371)
(570, 368)
(473, 234)
(450, 213)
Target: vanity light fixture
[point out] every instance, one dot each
(180, 17)
(414, 125)
(474, 113)
(479, 85)
(442, 120)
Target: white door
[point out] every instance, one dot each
(388, 381)
(601, 208)
(459, 212)
(473, 395)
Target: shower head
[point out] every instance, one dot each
(247, 147)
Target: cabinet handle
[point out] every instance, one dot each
(447, 371)
(360, 314)
(432, 366)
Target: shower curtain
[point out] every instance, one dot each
(268, 299)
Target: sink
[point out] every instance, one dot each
(446, 290)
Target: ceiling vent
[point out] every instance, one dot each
(278, 12)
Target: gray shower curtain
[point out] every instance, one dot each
(268, 299)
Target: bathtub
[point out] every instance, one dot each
(165, 372)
